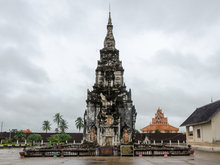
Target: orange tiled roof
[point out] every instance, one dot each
(27, 131)
(161, 127)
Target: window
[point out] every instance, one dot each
(198, 133)
(190, 131)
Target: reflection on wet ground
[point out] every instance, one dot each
(11, 157)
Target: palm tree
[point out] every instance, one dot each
(56, 130)
(57, 119)
(79, 123)
(63, 125)
(46, 126)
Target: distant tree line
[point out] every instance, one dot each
(62, 124)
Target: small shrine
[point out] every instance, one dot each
(159, 124)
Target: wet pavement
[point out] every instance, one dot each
(11, 157)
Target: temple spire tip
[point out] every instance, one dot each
(109, 42)
(109, 17)
(109, 8)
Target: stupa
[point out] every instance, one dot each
(110, 115)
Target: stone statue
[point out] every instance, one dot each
(92, 134)
(125, 136)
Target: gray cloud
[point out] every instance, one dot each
(172, 16)
(189, 64)
(19, 67)
(49, 52)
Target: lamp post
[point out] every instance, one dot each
(9, 134)
(1, 137)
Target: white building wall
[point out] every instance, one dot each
(216, 127)
(205, 132)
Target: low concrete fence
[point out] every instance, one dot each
(60, 152)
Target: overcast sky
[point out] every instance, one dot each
(49, 50)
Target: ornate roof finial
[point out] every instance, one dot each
(109, 19)
(109, 42)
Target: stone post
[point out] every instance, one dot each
(178, 142)
(187, 133)
(42, 142)
(74, 142)
(161, 142)
(17, 141)
(154, 142)
(170, 143)
(97, 152)
(66, 142)
(25, 142)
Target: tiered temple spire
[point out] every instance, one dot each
(109, 42)
(110, 115)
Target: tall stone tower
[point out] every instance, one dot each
(110, 117)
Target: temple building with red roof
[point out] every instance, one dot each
(159, 123)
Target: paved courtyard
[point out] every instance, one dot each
(11, 157)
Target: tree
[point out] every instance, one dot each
(20, 135)
(79, 123)
(56, 130)
(46, 126)
(137, 131)
(63, 137)
(7, 141)
(34, 138)
(58, 138)
(157, 131)
(57, 119)
(53, 139)
(63, 125)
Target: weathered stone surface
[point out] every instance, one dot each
(110, 116)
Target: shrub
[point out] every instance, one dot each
(64, 137)
(53, 139)
(20, 136)
(59, 138)
(34, 137)
(7, 141)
